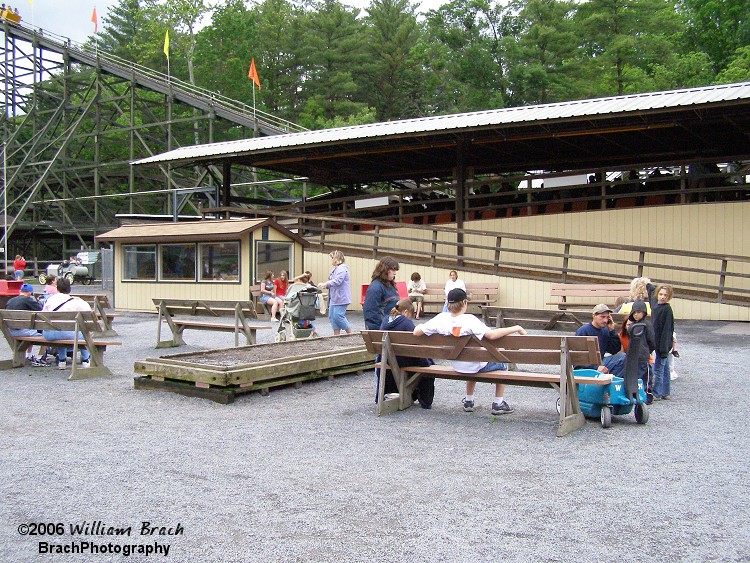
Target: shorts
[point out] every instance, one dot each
(337, 317)
(416, 298)
(494, 366)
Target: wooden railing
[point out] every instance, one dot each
(697, 275)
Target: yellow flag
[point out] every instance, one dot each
(166, 44)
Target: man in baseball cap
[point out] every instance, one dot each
(25, 302)
(603, 327)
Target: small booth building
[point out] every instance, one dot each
(218, 260)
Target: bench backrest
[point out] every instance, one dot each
(487, 289)
(518, 349)
(93, 298)
(50, 320)
(602, 290)
(204, 308)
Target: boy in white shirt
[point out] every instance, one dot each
(457, 323)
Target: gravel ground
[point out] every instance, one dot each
(312, 474)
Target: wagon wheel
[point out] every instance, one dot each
(641, 413)
(70, 277)
(606, 417)
(87, 280)
(43, 279)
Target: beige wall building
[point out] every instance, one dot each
(718, 228)
(212, 260)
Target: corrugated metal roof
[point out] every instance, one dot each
(528, 114)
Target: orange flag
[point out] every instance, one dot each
(95, 20)
(253, 74)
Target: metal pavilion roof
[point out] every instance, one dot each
(688, 123)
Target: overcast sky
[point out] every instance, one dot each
(72, 18)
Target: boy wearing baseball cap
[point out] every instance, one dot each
(25, 302)
(456, 322)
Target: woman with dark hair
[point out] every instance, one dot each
(381, 295)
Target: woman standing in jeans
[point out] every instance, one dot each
(339, 293)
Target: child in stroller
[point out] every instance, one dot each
(298, 313)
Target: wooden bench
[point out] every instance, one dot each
(564, 351)
(170, 308)
(85, 322)
(99, 303)
(583, 296)
(540, 319)
(479, 294)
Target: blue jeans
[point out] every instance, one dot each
(492, 366)
(337, 317)
(18, 274)
(24, 332)
(615, 364)
(62, 353)
(661, 376)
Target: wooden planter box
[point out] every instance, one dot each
(220, 375)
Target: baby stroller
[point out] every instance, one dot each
(298, 313)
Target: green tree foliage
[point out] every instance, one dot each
(624, 39)
(279, 62)
(391, 74)
(123, 29)
(464, 51)
(331, 52)
(224, 50)
(717, 28)
(322, 63)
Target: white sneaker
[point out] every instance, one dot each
(86, 364)
(62, 365)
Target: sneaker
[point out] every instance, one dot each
(38, 362)
(666, 397)
(85, 364)
(502, 408)
(62, 365)
(468, 405)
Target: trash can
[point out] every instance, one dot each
(8, 289)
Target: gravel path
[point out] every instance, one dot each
(312, 474)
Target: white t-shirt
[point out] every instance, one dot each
(75, 303)
(444, 323)
(450, 284)
(419, 286)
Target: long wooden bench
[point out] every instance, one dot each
(564, 351)
(583, 296)
(85, 322)
(99, 303)
(539, 319)
(479, 294)
(170, 308)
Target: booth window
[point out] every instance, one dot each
(273, 256)
(177, 262)
(219, 261)
(139, 262)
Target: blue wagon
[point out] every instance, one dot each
(603, 401)
(623, 394)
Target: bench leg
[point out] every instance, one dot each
(571, 417)
(79, 373)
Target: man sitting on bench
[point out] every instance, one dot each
(603, 327)
(457, 323)
(62, 301)
(25, 302)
